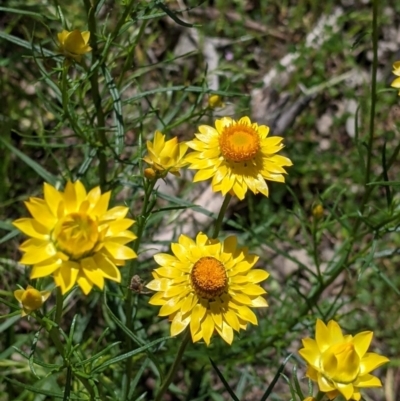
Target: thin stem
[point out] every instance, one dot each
(221, 215)
(142, 220)
(94, 83)
(315, 247)
(174, 367)
(59, 305)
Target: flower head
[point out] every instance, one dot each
(31, 299)
(318, 212)
(209, 285)
(74, 44)
(75, 238)
(238, 156)
(165, 156)
(396, 71)
(341, 364)
(215, 101)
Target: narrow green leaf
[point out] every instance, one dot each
(48, 177)
(224, 382)
(25, 44)
(127, 355)
(10, 235)
(275, 379)
(37, 390)
(385, 176)
(23, 12)
(117, 107)
(173, 16)
(296, 382)
(98, 355)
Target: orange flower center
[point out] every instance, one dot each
(208, 277)
(31, 299)
(76, 235)
(239, 142)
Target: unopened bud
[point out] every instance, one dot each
(150, 174)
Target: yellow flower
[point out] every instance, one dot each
(165, 156)
(341, 364)
(209, 285)
(396, 71)
(309, 399)
(215, 101)
(75, 238)
(238, 156)
(30, 299)
(74, 44)
(318, 212)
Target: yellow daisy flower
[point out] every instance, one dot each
(208, 285)
(75, 238)
(165, 156)
(31, 299)
(74, 44)
(341, 364)
(238, 156)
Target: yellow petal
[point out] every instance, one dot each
(65, 277)
(362, 342)
(322, 335)
(198, 313)
(170, 307)
(226, 333)
(107, 267)
(45, 269)
(38, 254)
(257, 275)
(52, 197)
(178, 324)
(18, 294)
(346, 390)
(371, 361)
(41, 212)
(158, 285)
(247, 314)
(368, 381)
(92, 273)
(232, 320)
(310, 353)
(207, 328)
(100, 209)
(119, 252)
(32, 228)
(85, 284)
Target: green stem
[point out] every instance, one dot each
(94, 83)
(221, 215)
(142, 220)
(174, 367)
(315, 247)
(59, 306)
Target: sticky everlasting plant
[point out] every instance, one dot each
(75, 238)
(209, 286)
(238, 156)
(340, 364)
(31, 299)
(74, 44)
(165, 156)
